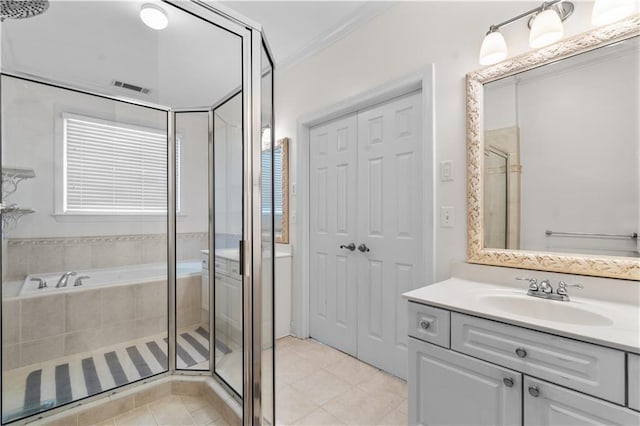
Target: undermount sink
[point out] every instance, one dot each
(547, 310)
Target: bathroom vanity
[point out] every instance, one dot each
(486, 353)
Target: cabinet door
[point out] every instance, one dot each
(448, 388)
(547, 404)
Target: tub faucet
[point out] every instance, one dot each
(62, 282)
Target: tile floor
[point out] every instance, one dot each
(318, 385)
(171, 410)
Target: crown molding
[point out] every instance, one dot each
(337, 32)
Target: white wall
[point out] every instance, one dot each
(405, 39)
(31, 115)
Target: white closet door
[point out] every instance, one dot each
(390, 200)
(332, 281)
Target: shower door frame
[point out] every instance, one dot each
(253, 40)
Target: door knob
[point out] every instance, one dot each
(521, 352)
(363, 248)
(350, 247)
(508, 382)
(534, 391)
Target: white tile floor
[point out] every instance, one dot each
(318, 385)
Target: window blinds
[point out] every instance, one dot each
(110, 169)
(277, 182)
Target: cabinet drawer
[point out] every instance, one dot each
(233, 267)
(429, 324)
(547, 404)
(634, 381)
(592, 369)
(221, 265)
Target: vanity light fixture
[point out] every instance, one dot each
(545, 22)
(546, 29)
(154, 16)
(494, 48)
(609, 11)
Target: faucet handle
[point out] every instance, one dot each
(78, 281)
(41, 282)
(562, 288)
(533, 282)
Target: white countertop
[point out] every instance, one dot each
(233, 253)
(467, 296)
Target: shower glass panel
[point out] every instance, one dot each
(267, 239)
(192, 242)
(496, 198)
(227, 279)
(84, 277)
(126, 169)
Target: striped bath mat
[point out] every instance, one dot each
(75, 377)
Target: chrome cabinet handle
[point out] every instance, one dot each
(534, 391)
(521, 352)
(508, 382)
(363, 248)
(350, 247)
(424, 324)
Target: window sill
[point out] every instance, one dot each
(121, 217)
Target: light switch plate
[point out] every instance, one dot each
(446, 171)
(447, 218)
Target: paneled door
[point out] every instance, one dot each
(332, 281)
(366, 188)
(390, 233)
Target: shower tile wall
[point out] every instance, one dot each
(32, 256)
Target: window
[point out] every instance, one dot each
(113, 168)
(277, 182)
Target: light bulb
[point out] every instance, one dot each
(546, 29)
(493, 49)
(154, 16)
(609, 11)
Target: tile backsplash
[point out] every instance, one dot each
(39, 255)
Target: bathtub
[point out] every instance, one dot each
(123, 275)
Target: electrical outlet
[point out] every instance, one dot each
(446, 171)
(293, 189)
(447, 219)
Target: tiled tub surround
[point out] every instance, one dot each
(27, 256)
(44, 327)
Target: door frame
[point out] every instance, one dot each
(422, 80)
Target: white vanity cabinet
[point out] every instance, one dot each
(548, 404)
(479, 371)
(447, 388)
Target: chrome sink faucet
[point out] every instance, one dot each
(62, 282)
(544, 290)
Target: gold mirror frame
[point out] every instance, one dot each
(283, 238)
(603, 266)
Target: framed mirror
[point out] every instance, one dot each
(281, 188)
(553, 157)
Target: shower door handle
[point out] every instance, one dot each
(363, 248)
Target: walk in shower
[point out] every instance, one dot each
(135, 243)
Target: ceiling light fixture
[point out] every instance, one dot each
(545, 22)
(610, 11)
(154, 16)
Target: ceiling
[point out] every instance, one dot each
(292, 27)
(88, 44)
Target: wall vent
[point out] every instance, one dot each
(129, 86)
